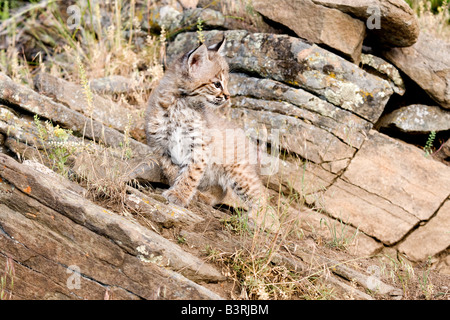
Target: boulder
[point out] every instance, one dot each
(299, 64)
(317, 24)
(418, 118)
(387, 195)
(427, 63)
(398, 24)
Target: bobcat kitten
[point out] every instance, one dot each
(197, 149)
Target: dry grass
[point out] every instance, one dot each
(258, 278)
(433, 17)
(108, 41)
(7, 280)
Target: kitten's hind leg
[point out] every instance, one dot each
(211, 196)
(248, 186)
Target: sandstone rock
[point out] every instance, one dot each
(418, 118)
(45, 107)
(387, 195)
(109, 85)
(174, 20)
(429, 239)
(299, 64)
(317, 24)
(370, 213)
(35, 193)
(398, 25)
(295, 135)
(270, 95)
(401, 174)
(444, 152)
(87, 159)
(443, 266)
(427, 63)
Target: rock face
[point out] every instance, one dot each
(436, 234)
(428, 64)
(299, 64)
(375, 183)
(317, 24)
(51, 229)
(74, 96)
(398, 26)
(387, 195)
(418, 118)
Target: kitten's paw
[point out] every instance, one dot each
(173, 196)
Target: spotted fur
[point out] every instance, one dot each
(198, 149)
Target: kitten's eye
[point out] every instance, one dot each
(218, 85)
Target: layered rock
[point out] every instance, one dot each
(388, 189)
(297, 63)
(385, 70)
(48, 227)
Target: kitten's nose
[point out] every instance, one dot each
(226, 96)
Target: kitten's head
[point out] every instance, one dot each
(205, 73)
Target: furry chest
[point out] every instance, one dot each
(184, 141)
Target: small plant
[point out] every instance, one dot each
(237, 223)
(56, 145)
(200, 35)
(181, 240)
(429, 145)
(424, 281)
(400, 271)
(339, 234)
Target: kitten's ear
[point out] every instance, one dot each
(219, 47)
(197, 57)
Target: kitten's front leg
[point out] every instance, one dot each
(185, 186)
